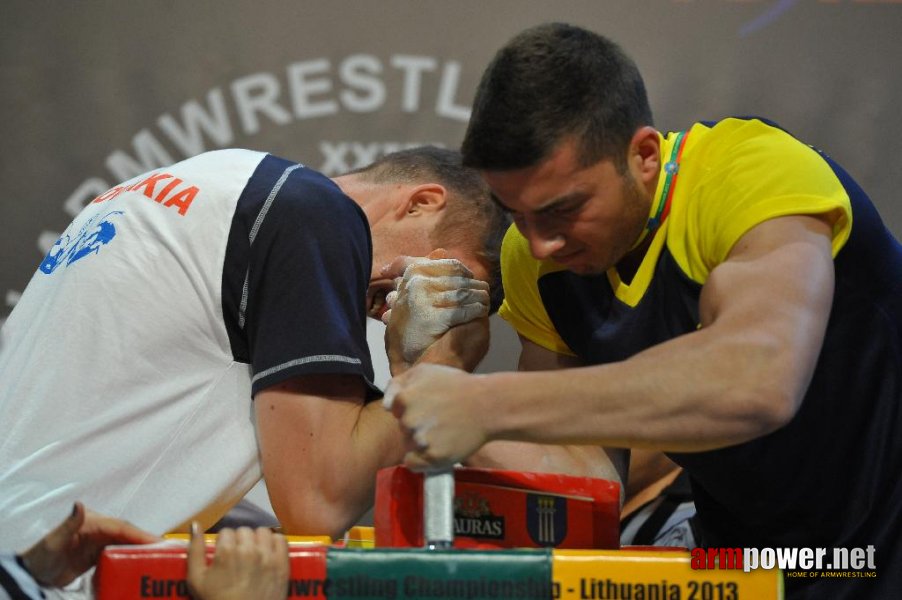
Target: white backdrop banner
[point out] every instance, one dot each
(94, 92)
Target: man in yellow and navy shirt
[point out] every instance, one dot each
(724, 293)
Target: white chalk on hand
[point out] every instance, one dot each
(435, 305)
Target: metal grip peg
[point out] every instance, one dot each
(438, 509)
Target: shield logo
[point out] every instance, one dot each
(546, 519)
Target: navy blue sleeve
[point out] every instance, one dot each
(297, 268)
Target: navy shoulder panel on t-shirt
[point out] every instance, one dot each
(296, 270)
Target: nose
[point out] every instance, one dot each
(544, 239)
(543, 245)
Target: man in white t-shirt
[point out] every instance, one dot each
(128, 367)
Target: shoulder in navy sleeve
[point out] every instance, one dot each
(296, 271)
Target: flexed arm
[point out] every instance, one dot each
(742, 375)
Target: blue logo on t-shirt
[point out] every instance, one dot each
(92, 236)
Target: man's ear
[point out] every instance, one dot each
(423, 199)
(645, 154)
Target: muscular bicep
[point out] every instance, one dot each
(771, 298)
(304, 425)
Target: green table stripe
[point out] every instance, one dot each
(422, 574)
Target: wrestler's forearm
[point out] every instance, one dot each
(741, 375)
(680, 396)
(461, 347)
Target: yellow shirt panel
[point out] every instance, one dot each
(739, 174)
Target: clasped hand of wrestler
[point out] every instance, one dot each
(437, 414)
(434, 295)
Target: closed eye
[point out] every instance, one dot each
(559, 211)
(563, 209)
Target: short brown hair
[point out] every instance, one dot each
(470, 207)
(549, 83)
